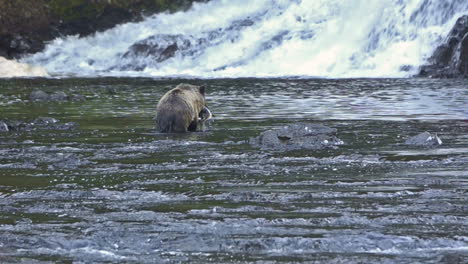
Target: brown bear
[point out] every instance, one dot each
(182, 109)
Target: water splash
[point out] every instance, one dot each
(14, 69)
(264, 38)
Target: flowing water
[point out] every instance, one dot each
(112, 190)
(264, 38)
(102, 186)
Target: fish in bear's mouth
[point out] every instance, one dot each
(205, 114)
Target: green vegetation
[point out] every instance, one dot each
(72, 10)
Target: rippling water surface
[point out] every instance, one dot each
(112, 190)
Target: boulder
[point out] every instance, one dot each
(424, 139)
(44, 121)
(39, 96)
(77, 98)
(158, 48)
(59, 96)
(4, 127)
(450, 60)
(154, 50)
(297, 136)
(463, 64)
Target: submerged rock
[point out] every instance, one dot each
(43, 123)
(58, 96)
(77, 98)
(450, 60)
(155, 49)
(53, 124)
(67, 161)
(424, 139)
(38, 96)
(297, 136)
(3, 127)
(158, 48)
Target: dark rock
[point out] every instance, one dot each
(67, 161)
(4, 127)
(406, 68)
(450, 60)
(20, 43)
(77, 98)
(111, 90)
(425, 139)
(155, 49)
(463, 65)
(23, 26)
(16, 125)
(44, 121)
(39, 96)
(50, 123)
(238, 24)
(162, 47)
(297, 136)
(59, 96)
(40, 123)
(66, 126)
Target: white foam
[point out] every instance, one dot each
(326, 38)
(11, 68)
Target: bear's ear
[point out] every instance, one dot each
(202, 90)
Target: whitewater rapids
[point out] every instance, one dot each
(14, 69)
(264, 38)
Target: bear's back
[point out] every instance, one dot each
(179, 108)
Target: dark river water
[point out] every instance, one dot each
(109, 189)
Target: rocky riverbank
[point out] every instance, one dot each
(26, 26)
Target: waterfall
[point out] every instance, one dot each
(264, 38)
(14, 69)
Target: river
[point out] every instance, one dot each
(110, 189)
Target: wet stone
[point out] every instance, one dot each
(45, 123)
(296, 137)
(424, 139)
(68, 161)
(77, 98)
(111, 90)
(3, 127)
(158, 48)
(450, 59)
(59, 96)
(15, 125)
(39, 96)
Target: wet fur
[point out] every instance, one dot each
(179, 109)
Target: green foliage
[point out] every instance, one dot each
(71, 10)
